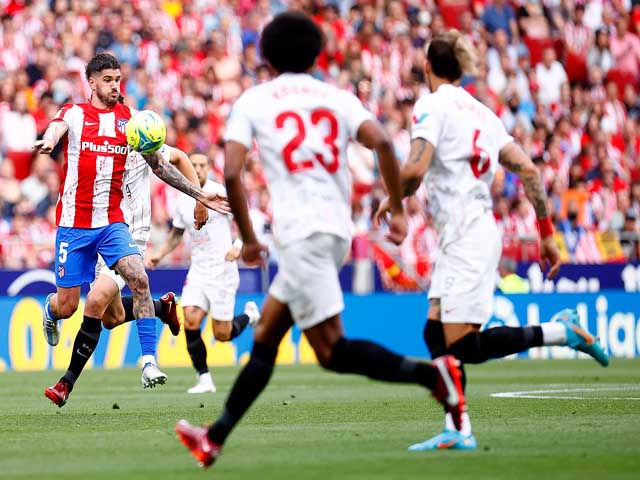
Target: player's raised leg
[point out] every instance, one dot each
(206, 444)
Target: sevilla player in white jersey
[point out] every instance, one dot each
(456, 146)
(303, 127)
(212, 281)
(89, 213)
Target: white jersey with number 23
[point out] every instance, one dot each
(302, 127)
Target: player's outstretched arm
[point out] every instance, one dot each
(52, 135)
(234, 155)
(170, 175)
(411, 175)
(515, 160)
(175, 236)
(180, 160)
(373, 136)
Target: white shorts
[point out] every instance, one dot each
(215, 294)
(103, 269)
(464, 275)
(307, 279)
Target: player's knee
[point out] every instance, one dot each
(67, 307)
(222, 335)
(95, 304)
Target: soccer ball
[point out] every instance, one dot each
(146, 132)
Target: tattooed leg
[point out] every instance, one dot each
(131, 269)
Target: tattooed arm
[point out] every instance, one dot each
(420, 157)
(170, 175)
(515, 160)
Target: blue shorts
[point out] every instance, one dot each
(77, 251)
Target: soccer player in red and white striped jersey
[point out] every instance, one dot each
(90, 216)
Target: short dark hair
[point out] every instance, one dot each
(443, 60)
(99, 62)
(291, 42)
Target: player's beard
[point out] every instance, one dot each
(109, 99)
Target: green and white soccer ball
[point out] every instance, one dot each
(146, 132)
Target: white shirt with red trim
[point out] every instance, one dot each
(95, 151)
(302, 127)
(136, 202)
(467, 138)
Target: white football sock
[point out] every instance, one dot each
(205, 379)
(148, 359)
(466, 424)
(553, 333)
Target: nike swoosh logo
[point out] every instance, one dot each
(81, 354)
(90, 123)
(133, 245)
(448, 444)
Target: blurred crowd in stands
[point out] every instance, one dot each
(563, 75)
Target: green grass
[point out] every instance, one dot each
(312, 424)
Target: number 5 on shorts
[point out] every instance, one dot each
(62, 258)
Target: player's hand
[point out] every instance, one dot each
(217, 203)
(397, 222)
(254, 254)
(233, 254)
(151, 262)
(43, 146)
(200, 215)
(397, 227)
(549, 256)
(382, 212)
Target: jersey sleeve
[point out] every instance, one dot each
(64, 114)
(502, 138)
(239, 128)
(427, 120)
(356, 114)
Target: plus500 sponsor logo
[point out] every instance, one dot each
(105, 148)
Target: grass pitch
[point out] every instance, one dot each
(312, 424)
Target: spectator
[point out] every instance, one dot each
(600, 54)
(551, 76)
(500, 16)
(18, 132)
(625, 47)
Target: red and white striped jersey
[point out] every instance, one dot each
(95, 152)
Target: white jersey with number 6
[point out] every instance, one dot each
(467, 138)
(302, 127)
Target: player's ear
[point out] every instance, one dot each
(427, 68)
(92, 83)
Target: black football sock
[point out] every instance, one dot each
(250, 382)
(478, 347)
(127, 303)
(83, 347)
(434, 338)
(374, 361)
(197, 350)
(240, 322)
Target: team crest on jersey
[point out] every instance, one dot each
(60, 271)
(121, 123)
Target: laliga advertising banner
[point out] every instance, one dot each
(395, 320)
